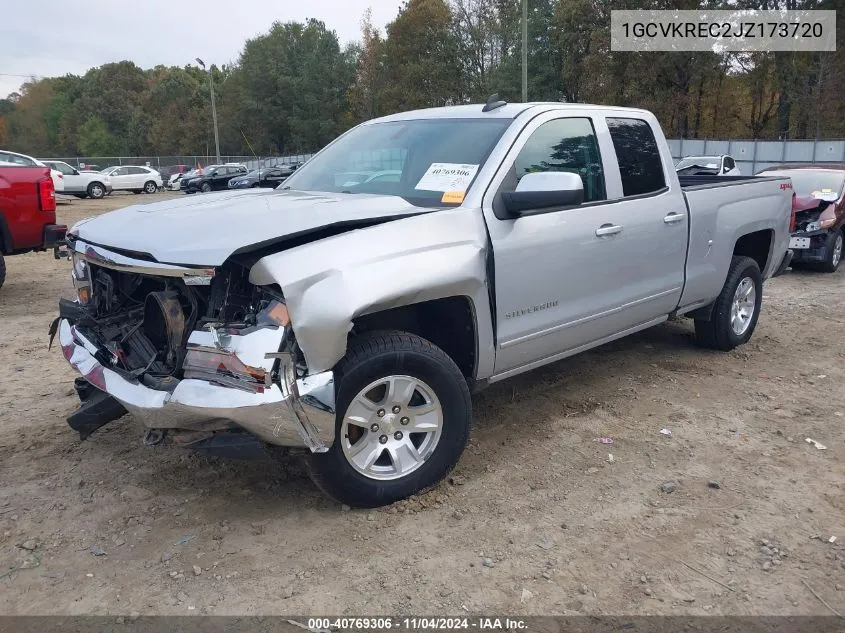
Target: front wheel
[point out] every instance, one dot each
(205, 187)
(96, 190)
(150, 187)
(834, 252)
(736, 310)
(403, 419)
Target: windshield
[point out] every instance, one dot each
(815, 183)
(708, 162)
(417, 160)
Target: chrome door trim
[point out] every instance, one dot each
(586, 319)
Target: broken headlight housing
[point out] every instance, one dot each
(81, 276)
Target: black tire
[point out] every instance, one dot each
(369, 358)
(834, 252)
(2, 270)
(96, 190)
(205, 187)
(255, 186)
(718, 332)
(150, 187)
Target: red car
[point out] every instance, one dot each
(817, 238)
(27, 212)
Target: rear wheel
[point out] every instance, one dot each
(403, 419)
(96, 190)
(150, 187)
(834, 252)
(736, 310)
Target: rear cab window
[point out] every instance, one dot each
(640, 163)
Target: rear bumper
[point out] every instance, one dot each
(290, 412)
(54, 235)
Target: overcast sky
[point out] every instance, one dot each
(49, 39)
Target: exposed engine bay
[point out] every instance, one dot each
(142, 324)
(807, 220)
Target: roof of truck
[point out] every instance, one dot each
(507, 111)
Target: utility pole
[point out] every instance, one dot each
(213, 109)
(524, 51)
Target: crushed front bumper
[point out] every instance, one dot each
(291, 412)
(817, 251)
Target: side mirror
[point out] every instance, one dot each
(75, 171)
(539, 192)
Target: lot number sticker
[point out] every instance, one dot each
(447, 177)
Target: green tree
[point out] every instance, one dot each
(422, 66)
(295, 82)
(96, 140)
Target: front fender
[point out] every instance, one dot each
(330, 282)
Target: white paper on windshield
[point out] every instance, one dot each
(825, 194)
(447, 177)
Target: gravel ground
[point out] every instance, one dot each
(734, 513)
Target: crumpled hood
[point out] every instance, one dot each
(803, 203)
(205, 229)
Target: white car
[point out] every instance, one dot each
(716, 165)
(29, 161)
(81, 183)
(175, 181)
(135, 178)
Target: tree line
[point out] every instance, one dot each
(295, 87)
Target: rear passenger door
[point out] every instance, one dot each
(139, 177)
(571, 277)
(120, 178)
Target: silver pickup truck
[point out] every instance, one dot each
(350, 312)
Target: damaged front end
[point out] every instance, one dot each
(813, 220)
(197, 354)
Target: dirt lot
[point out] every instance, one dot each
(535, 519)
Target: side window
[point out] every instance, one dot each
(565, 145)
(66, 169)
(120, 171)
(639, 158)
(19, 160)
(138, 171)
(729, 163)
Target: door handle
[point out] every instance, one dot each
(608, 229)
(673, 217)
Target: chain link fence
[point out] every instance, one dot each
(753, 156)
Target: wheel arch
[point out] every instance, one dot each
(758, 246)
(450, 323)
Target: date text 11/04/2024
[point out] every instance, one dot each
(416, 623)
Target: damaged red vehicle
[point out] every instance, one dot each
(819, 206)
